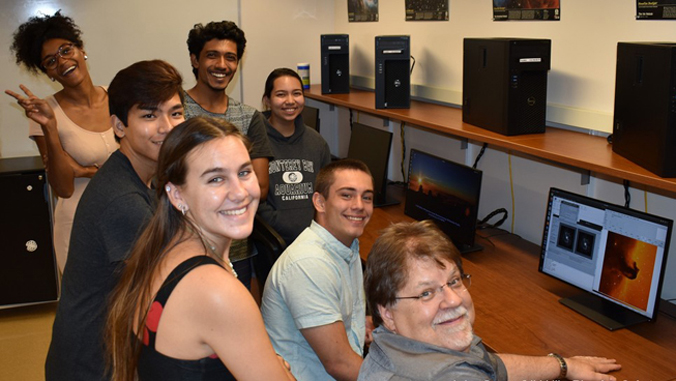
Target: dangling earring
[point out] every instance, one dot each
(52, 78)
(182, 208)
(85, 57)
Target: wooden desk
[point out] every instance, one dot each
(592, 153)
(517, 308)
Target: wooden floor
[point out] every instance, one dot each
(25, 333)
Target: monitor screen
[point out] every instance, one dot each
(311, 117)
(614, 253)
(372, 146)
(447, 193)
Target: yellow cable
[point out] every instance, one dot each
(403, 150)
(511, 186)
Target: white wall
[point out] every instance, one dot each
(116, 34)
(584, 42)
(281, 34)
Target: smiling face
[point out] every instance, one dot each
(445, 321)
(68, 71)
(286, 100)
(348, 207)
(221, 190)
(146, 130)
(216, 64)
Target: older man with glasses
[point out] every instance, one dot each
(418, 295)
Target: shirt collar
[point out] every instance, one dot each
(348, 254)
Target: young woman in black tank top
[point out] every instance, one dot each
(179, 312)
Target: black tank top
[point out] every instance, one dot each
(152, 364)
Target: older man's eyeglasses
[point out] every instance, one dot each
(65, 51)
(458, 284)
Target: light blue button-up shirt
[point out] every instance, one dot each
(316, 281)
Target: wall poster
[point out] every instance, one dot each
(362, 10)
(426, 10)
(656, 10)
(544, 10)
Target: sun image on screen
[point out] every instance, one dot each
(442, 191)
(628, 270)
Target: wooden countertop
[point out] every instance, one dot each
(587, 152)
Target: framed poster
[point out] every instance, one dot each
(542, 10)
(656, 10)
(426, 10)
(362, 10)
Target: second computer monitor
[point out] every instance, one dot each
(448, 194)
(372, 146)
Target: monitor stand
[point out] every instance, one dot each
(466, 249)
(602, 311)
(384, 198)
(385, 201)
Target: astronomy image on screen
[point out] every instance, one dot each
(628, 270)
(574, 238)
(441, 192)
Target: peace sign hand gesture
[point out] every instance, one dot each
(36, 108)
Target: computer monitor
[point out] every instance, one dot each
(372, 146)
(446, 193)
(311, 117)
(615, 254)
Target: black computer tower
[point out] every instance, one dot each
(28, 274)
(644, 125)
(335, 49)
(504, 87)
(393, 72)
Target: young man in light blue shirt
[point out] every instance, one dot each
(313, 303)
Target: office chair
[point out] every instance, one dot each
(269, 244)
(311, 117)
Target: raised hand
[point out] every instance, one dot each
(36, 108)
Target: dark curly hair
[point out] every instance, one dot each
(222, 30)
(31, 35)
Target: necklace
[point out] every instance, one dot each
(212, 248)
(213, 251)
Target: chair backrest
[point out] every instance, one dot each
(269, 244)
(311, 117)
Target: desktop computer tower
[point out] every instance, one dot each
(393, 71)
(504, 87)
(644, 124)
(28, 274)
(335, 50)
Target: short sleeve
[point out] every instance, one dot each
(499, 366)
(259, 137)
(312, 293)
(125, 219)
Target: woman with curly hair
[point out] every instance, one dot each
(71, 127)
